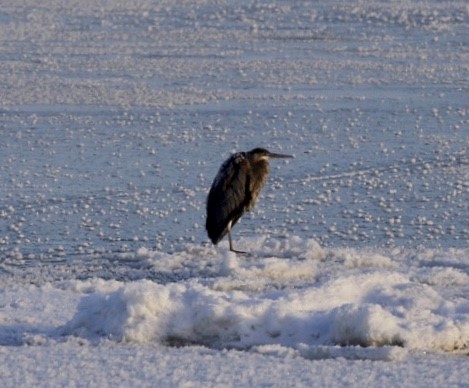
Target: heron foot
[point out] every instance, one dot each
(231, 244)
(240, 252)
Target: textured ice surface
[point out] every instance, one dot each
(114, 119)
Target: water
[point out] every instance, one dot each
(114, 121)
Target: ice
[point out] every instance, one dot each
(276, 298)
(314, 304)
(114, 119)
(366, 309)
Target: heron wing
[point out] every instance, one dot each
(229, 196)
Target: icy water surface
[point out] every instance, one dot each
(115, 121)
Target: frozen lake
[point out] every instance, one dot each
(114, 120)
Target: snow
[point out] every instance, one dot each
(290, 302)
(114, 119)
(248, 307)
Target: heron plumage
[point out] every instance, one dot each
(235, 190)
(229, 196)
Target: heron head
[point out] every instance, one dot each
(262, 154)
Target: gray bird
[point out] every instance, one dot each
(235, 190)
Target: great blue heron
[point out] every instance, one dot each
(235, 190)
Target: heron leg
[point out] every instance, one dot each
(231, 245)
(231, 242)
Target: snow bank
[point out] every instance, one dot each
(247, 305)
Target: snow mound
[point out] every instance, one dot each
(241, 309)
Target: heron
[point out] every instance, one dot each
(235, 190)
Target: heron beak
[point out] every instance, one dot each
(279, 156)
